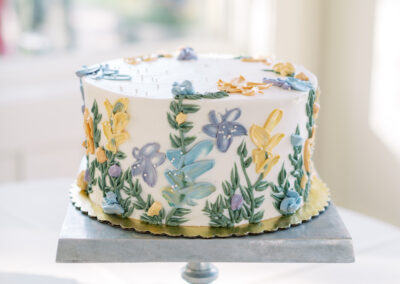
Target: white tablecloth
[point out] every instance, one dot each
(31, 215)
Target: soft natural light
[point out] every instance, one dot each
(385, 96)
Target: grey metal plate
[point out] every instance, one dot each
(323, 239)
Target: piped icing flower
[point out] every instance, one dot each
(240, 86)
(184, 88)
(114, 128)
(307, 155)
(187, 53)
(291, 203)
(302, 76)
(265, 60)
(236, 202)
(110, 204)
(284, 69)
(81, 182)
(224, 128)
(148, 158)
(88, 127)
(87, 175)
(101, 155)
(289, 83)
(296, 140)
(154, 209)
(114, 171)
(181, 118)
(263, 157)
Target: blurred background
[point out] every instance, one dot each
(351, 45)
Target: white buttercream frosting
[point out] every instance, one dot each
(149, 94)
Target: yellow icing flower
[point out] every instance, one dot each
(316, 108)
(101, 155)
(240, 86)
(88, 126)
(284, 69)
(154, 209)
(118, 119)
(302, 76)
(265, 142)
(80, 182)
(307, 155)
(181, 118)
(265, 60)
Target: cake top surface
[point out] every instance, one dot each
(155, 78)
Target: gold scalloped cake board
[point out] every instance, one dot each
(318, 201)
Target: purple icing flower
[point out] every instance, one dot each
(278, 82)
(236, 202)
(114, 171)
(148, 158)
(87, 175)
(187, 53)
(224, 129)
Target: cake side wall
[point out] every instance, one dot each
(148, 124)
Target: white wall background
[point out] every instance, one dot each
(41, 133)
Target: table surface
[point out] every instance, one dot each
(30, 230)
(323, 239)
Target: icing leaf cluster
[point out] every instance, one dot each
(238, 202)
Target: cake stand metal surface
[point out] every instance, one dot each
(323, 239)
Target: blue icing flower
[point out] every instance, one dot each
(187, 53)
(289, 83)
(296, 140)
(184, 188)
(110, 204)
(225, 128)
(291, 203)
(148, 158)
(299, 85)
(184, 88)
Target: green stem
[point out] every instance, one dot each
(249, 188)
(181, 135)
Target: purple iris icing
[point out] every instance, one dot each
(148, 158)
(277, 83)
(236, 202)
(87, 175)
(187, 53)
(225, 128)
(114, 171)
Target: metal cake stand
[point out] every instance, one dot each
(323, 239)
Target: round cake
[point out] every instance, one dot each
(191, 140)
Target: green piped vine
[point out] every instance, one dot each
(309, 111)
(96, 139)
(221, 212)
(128, 192)
(213, 95)
(296, 159)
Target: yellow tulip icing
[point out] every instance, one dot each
(114, 128)
(263, 157)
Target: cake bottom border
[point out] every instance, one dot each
(319, 199)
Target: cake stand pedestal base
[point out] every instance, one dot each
(323, 239)
(199, 272)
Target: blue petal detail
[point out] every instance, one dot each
(296, 140)
(110, 204)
